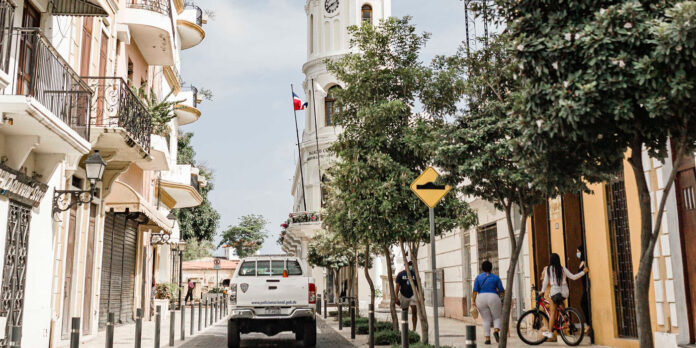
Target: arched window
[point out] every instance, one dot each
(330, 106)
(311, 34)
(367, 13)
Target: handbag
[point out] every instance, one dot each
(474, 312)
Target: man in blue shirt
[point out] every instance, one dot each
(405, 295)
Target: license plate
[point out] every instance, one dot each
(273, 310)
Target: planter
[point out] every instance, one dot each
(162, 302)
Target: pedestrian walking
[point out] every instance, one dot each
(556, 277)
(189, 292)
(405, 295)
(488, 289)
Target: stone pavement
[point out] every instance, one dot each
(124, 335)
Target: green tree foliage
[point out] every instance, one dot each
(477, 151)
(196, 249)
(382, 147)
(161, 111)
(201, 222)
(600, 78)
(246, 237)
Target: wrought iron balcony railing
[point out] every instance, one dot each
(195, 183)
(161, 6)
(199, 12)
(39, 71)
(6, 20)
(115, 105)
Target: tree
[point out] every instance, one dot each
(328, 250)
(600, 78)
(247, 237)
(477, 151)
(382, 147)
(198, 249)
(199, 222)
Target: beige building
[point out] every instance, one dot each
(205, 276)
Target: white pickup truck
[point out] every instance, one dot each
(272, 294)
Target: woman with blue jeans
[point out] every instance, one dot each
(486, 298)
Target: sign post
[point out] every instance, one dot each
(431, 194)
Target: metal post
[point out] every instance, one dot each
(200, 311)
(318, 303)
(340, 314)
(74, 333)
(158, 323)
(326, 306)
(352, 318)
(215, 310)
(183, 321)
(110, 330)
(470, 336)
(212, 312)
(15, 336)
(404, 328)
(434, 284)
(181, 256)
(172, 326)
(193, 315)
(371, 330)
(206, 313)
(138, 328)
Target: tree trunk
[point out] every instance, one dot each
(392, 293)
(516, 247)
(367, 275)
(420, 297)
(337, 284)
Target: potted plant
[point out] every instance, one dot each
(164, 292)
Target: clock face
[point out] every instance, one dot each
(331, 6)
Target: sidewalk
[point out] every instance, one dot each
(452, 334)
(124, 335)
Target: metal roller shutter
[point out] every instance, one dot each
(130, 241)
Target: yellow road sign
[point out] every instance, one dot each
(427, 190)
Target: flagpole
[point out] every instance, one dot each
(316, 137)
(299, 149)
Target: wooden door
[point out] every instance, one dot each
(89, 271)
(87, 25)
(541, 240)
(573, 238)
(31, 18)
(103, 54)
(67, 285)
(685, 186)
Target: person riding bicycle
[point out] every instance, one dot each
(555, 277)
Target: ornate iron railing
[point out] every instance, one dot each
(161, 6)
(6, 20)
(199, 12)
(115, 105)
(39, 71)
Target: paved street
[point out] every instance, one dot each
(216, 337)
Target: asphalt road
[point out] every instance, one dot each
(216, 337)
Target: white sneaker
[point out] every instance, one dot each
(547, 334)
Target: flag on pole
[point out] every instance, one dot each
(297, 102)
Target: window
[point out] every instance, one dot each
(248, 269)
(311, 34)
(277, 267)
(294, 268)
(263, 268)
(487, 237)
(330, 106)
(367, 13)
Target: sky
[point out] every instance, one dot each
(252, 52)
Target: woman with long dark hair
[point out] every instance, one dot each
(555, 277)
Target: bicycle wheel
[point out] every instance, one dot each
(573, 326)
(530, 326)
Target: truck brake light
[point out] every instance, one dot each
(312, 293)
(233, 293)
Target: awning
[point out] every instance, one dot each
(124, 197)
(78, 8)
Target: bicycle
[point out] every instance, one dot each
(569, 323)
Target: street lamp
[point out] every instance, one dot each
(180, 247)
(66, 199)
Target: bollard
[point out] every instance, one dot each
(172, 325)
(75, 333)
(193, 315)
(215, 310)
(183, 321)
(326, 306)
(200, 310)
(138, 328)
(371, 329)
(470, 336)
(206, 313)
(404, 328)
(110, 330)
(340, 314)
(158, 323)
(318, 301)
(212, 312)
(15, 336)
(352, 319)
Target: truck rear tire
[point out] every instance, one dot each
(233, 337)
(310, 333)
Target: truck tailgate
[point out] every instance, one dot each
(275, 291)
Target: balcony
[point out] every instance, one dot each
(159, 152)
(177, 188)
(187, 110)
(6, 20)
(190, 26)
(151, 25)
(45, 106)
(303, 224)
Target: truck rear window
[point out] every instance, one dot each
(294, 268)
(270, 268)
(248, 269)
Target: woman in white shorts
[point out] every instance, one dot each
(556, 277)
